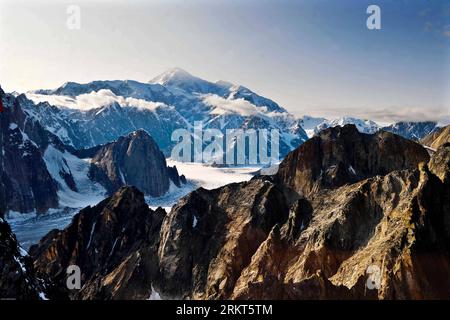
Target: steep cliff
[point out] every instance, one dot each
(133, 160)
(25, 183)
(113, 243)
(341, 155)
(381, 233)
(17, 277)
(437, 138)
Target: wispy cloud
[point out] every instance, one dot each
(446, 32)
(389, 115)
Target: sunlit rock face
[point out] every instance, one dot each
(114, 244)
(341, 155)
(299, 234)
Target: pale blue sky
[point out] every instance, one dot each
(312, 57)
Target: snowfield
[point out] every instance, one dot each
(200, 175)
(210, 177)
(30, 228)
(88, 192)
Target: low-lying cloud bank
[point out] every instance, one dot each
(389, 115)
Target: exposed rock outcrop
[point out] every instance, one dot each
(295, 235)
(114, 244)
(133, 160)
(321, 248)
(392, 224)
(17, 277)
(440, 163)
(341, 155)
(437, 138)
(210, 236)
(25, 183)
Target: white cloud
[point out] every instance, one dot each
(144, 104)
(93, 100)
(227, 106)
(97, 99)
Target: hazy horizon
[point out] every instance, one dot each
(312, 57)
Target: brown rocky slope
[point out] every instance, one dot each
(315, 230)
(114, 243)
(437, 138)
(342, 155)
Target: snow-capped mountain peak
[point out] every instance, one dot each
(181, 82)
(363, 125)
(173, 75)
(313, 125)
(412, 130)
(85, 115)
(224, 84)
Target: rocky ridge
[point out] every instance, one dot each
(437, 138)
(134, 160)
(281, 236)
(114, 243)
(25, 183)
(17, 276)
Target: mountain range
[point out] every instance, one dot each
(98, 112)
(410, 130)
(49, 136)
(39, 172)
(353, 198)
(342, 206)
(86, 115)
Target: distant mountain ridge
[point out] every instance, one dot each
(409, 130)
(412, 130)
(39, 172)
(98, 112)
(85, 115)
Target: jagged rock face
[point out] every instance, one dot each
(393, 223)
(437, 138)
(341, 155)
(263, 239)
(25, 183)
(114, 244)
(17, 277)
(133, 160)
(210, 236)
(440, 166)
(440, 163)
(320, 247)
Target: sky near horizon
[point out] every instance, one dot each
(314, 57)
